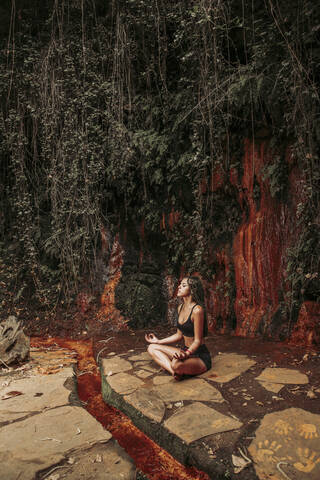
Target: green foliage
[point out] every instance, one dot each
(117, 111)
(277, 175)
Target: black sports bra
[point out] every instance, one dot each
(187, 328)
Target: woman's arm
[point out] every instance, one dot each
(151, 338)
(198, 320)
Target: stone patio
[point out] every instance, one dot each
(43, 427)
(194, 420)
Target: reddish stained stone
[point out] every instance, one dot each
(258, 248)
(307, 329)
(108, 311)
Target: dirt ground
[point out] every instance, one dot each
(107, 339)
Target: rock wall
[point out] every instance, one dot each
(246, 296)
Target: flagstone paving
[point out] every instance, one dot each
(227, 422)
(200, 421)
(273, 379)
(43, 429)
(227, 366)
(195, 419)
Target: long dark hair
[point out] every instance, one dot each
(197, 294)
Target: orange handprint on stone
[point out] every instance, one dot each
(308, 460)
(266, 451)
(282, 428)
(308, 431)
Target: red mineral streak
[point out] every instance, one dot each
(307, 329)
(168, 221)
(155, 462)
(108, 311)
(258, 248)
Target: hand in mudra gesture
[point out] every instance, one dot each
(182, 355)
(151, 338)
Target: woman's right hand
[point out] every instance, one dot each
(151, 338)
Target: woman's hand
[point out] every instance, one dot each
(181, 355)
(151, 338)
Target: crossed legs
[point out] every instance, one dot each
(163, 356)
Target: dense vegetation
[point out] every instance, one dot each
(113, 112)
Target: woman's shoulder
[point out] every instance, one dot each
(197, 308)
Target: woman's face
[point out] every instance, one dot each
(183, 289)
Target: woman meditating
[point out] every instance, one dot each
(194, 357)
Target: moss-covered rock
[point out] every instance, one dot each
(139, 297)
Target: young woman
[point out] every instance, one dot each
(194, 358)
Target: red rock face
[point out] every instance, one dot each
(108, 311)
(258, 255)
(258, 248)
(307, 329)
(250, 282)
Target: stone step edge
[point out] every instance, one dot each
(167, 440)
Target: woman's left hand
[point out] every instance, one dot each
(181, 355)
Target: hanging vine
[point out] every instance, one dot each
(119, 110)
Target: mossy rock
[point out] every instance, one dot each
(141, 300)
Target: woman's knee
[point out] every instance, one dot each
(151, 348)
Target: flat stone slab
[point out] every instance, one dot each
(124, 383)
(143, 364)
(196, 421)
(31, 445)
(191, 389)
(115, 365)
(143, 374)
(33, 394)
(282, 375)
(227, 366)
(100, 462)
(271, 387)
(141, 356)
(147, 402)
(149, 368)
(289, 439)
(162, 379)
